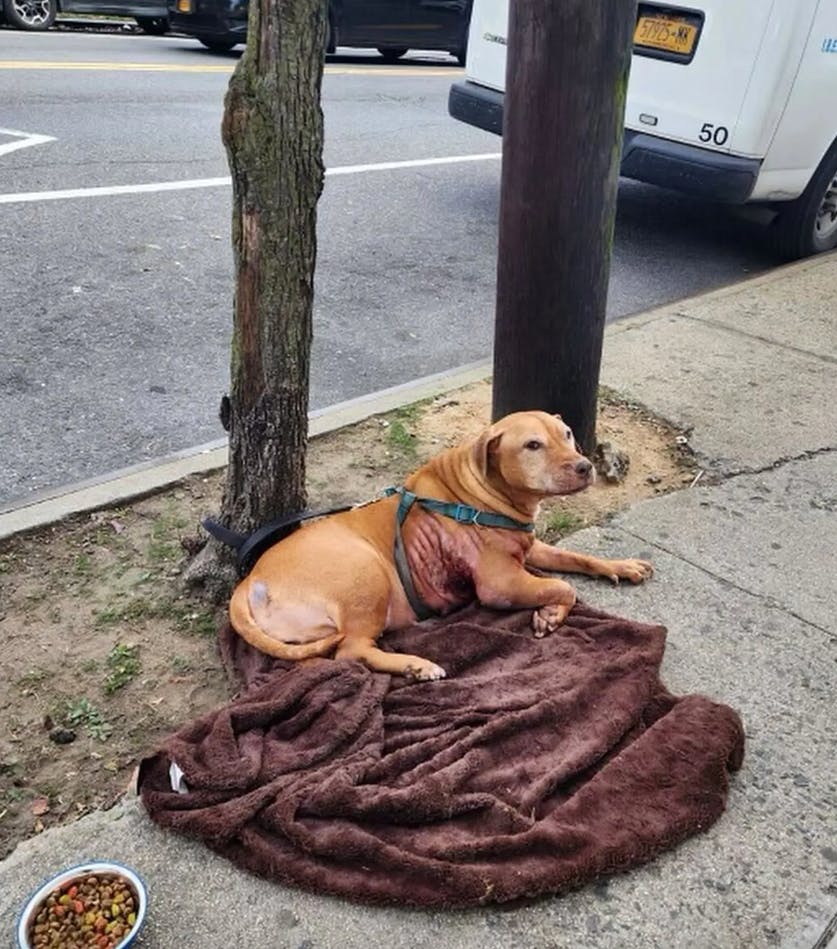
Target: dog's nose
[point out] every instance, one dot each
(583, 467)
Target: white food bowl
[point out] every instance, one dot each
(78, 873)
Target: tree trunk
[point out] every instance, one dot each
(566, 81)
(273, 133)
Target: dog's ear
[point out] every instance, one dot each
(484, 447)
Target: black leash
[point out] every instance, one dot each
(249, 547)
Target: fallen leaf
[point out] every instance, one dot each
(118, 526)
(38, 826)
(40, 806)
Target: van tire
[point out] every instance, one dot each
(795, 231)
(331, 35)
(36, 16)
(218, 44)
(153, 25)
(392, 54)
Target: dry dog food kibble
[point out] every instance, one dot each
(95, 912)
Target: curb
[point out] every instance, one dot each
(43, 508)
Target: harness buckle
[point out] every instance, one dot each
(464, 513)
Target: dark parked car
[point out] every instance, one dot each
(390, 26)
(151, 15)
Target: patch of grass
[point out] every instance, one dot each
(124, 665)
(560, 523)
(136, 610)
(181, 665)
(164, 545)
(32, 677)
(410, 414)
(83, 566)
(82, 713)
(190, 618)
(90, 665)
(401, 439)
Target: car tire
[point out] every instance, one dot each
(808, 225)
(392, 54)
(331, 36)
(153, 25)
(219, 44)
(30, 14)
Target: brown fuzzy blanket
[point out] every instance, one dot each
(535, 766)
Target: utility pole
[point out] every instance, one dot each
(566, 82)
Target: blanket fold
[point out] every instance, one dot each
(535, 766)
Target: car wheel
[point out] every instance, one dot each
(808, 225)
(219, 44)
(331, 38)
(30, 14)
(153, 25)
(392, 54)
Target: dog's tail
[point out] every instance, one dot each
(241, 617)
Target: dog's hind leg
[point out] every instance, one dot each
(395, 663)
(360, 635)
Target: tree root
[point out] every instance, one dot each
(212, 572)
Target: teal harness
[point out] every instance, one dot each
(461, 513)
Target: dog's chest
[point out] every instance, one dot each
(443, 560)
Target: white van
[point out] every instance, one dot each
(733, 100)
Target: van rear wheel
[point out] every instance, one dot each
(392, 54)
(153, 25)
(808, 225)
(218, 44)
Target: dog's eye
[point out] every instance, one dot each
(533, 445)
(569, 435)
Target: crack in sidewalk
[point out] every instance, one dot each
(822, 357)
(764, 598)
(715, 477)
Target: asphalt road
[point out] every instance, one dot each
(116, 308)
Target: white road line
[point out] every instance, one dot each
(27, 139)
(24, 197)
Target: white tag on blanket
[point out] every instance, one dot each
(176, 778)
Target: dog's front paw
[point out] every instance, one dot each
(423, 670)
(637, 571)
(548, 618)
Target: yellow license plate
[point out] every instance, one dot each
(666, 33)
(184, 6)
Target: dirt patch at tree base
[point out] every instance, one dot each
(104, 653)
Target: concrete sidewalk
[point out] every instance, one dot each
(745, 583)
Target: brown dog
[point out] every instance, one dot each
(333, 585)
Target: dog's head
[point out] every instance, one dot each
(533, 453)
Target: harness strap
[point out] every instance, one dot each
(405, 575)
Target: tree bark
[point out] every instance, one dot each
(273, 133)
(566, 81)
